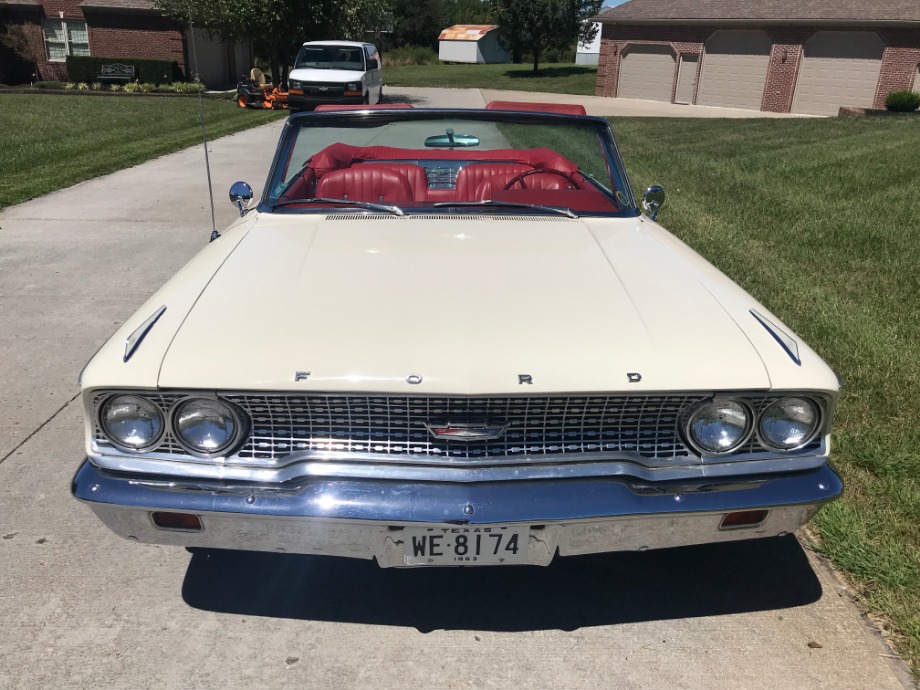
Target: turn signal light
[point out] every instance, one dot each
(743, 518)
(183, 521)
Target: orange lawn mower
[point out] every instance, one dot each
(253, 92)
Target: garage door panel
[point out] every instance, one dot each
(647, 72)
(839, 68)
(734, 69)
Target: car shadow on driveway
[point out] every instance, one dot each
(571, 593)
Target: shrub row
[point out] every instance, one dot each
(86, 69)
(137, 87)
(410, 55)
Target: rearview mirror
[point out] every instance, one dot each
(450, 140)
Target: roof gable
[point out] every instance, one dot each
(764, 11)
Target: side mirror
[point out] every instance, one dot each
(241, 195)
(373, 64)
(652, 201)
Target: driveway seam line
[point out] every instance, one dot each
(40, 427)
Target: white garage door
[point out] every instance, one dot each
(917, 81)
(839, 68)
(734, 69)
(647, 72)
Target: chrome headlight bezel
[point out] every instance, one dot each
(808, 438)
(114, 440)
(240, 426)
(697, 446)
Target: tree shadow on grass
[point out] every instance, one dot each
(571, 593)
(573, 71)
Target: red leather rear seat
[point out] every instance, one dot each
(365, 183)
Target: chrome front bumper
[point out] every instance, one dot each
(364, 519)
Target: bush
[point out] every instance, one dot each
(410, 55)
(185, 87)
(902, 101)
(81, 68)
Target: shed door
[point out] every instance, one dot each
(734, 69)
(839, 68)
(647, 71)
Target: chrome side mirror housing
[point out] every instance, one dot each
(652, 201)
(241, 195)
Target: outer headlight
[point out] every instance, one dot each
(131, 422)
(206, 426)
(294, 84)
(353, 86)
(719, 426)
(789, 423)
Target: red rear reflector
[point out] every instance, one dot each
(192, 523)
(743, 518)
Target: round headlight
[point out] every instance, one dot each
(205, 426)
(789, 423)
(719, 426)
(131, 422)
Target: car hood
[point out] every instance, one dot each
(470, 305)
(333, 76)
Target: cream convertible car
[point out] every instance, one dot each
(450, 337)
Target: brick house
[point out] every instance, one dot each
(54, 29)
(800, 56)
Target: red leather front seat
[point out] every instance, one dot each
(473, 175)
(361, 183)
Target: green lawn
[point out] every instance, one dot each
(52, 142)
(820, 220)
(553, 78)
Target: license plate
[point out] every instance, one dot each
(465, 545)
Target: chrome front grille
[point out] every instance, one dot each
(394, 428)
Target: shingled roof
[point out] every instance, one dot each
(764, 12)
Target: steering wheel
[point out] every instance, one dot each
(537, 171)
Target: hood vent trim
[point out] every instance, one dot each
(786, 341)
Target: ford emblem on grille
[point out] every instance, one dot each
(466, 431)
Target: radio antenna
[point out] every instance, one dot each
(204, 136)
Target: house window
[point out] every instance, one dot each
(65, 37)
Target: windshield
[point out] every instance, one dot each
(448, 162)
(331, 57)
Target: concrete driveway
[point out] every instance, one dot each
(594, 105)
(81, 608)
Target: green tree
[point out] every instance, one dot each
(277, 28)
(417, 23)
(466, 12)
(536, 26)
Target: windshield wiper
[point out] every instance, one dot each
(512, 204)
(395, 210)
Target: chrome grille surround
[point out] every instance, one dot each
(286, 428)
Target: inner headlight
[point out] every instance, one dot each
(719, 426)
(131, 422)
(206, 426)
(789, 423)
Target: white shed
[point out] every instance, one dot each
(589, 53)
(472, 43)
